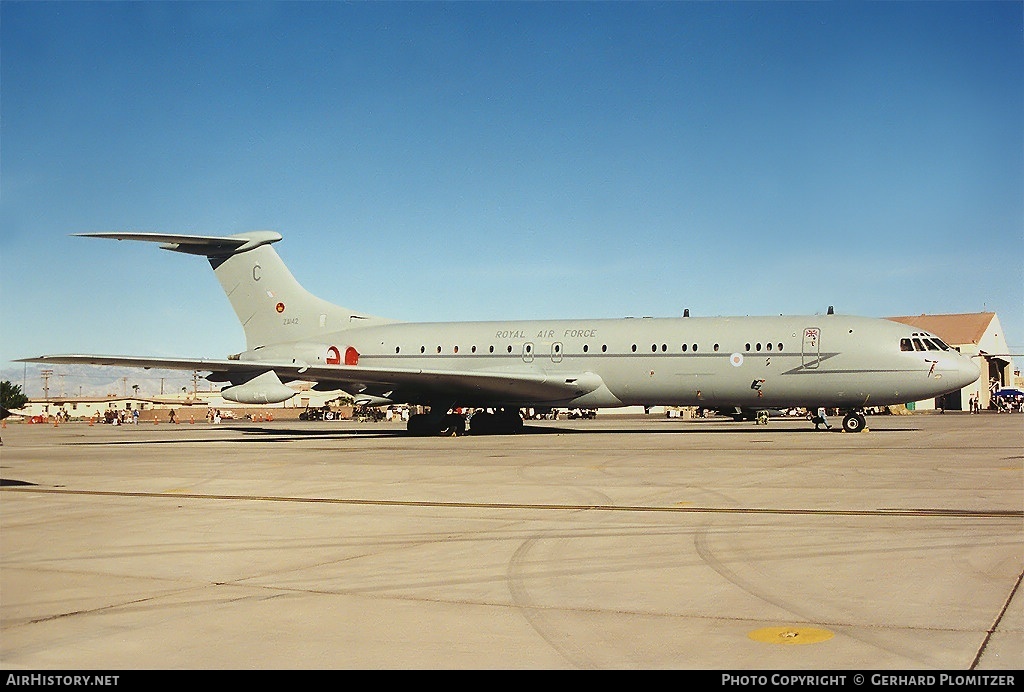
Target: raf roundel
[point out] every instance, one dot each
(279, 307)
(736, 359)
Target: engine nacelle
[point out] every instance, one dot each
(304, 354)
(262, 389)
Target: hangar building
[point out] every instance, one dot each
(976, 335)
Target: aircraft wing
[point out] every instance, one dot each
(396, 384)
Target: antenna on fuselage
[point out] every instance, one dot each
(831, 310)
(686, 312)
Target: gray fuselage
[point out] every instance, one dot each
(829, 360)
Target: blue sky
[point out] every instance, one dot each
(463, 161)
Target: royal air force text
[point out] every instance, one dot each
(545, 334)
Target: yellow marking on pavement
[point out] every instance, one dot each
(790, 635)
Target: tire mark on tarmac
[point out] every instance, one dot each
(534, 614)
(862, 633)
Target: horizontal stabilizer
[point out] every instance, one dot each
(208, 245)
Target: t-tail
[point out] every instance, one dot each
(271, 305)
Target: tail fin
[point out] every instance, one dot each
(271, 305)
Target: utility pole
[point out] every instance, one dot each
(46, 383)
(124, 385)
(195, 384)
(63, 392)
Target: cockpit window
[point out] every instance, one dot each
(923, 342)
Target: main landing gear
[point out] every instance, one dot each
(432, 425)
(449, 424)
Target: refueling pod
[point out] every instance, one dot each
(262, 389)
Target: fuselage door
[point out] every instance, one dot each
(810, 351)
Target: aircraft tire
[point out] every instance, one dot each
(506, 422)
(453, 425)
(482, 423)
(422, 425)
(510, 422)
(854, 422)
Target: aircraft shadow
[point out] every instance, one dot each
(253, 433)
(13, 482)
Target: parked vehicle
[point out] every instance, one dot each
(371, 414)
(582, 413)
(321, 413)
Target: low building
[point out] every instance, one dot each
(185, 407)
(98, 408)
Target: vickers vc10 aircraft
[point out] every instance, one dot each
(498, 368)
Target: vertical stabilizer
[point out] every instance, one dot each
(271, 305)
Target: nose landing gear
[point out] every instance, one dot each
(854, 422)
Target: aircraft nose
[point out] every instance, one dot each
(967, 371)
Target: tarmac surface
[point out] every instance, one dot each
(615, 543)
